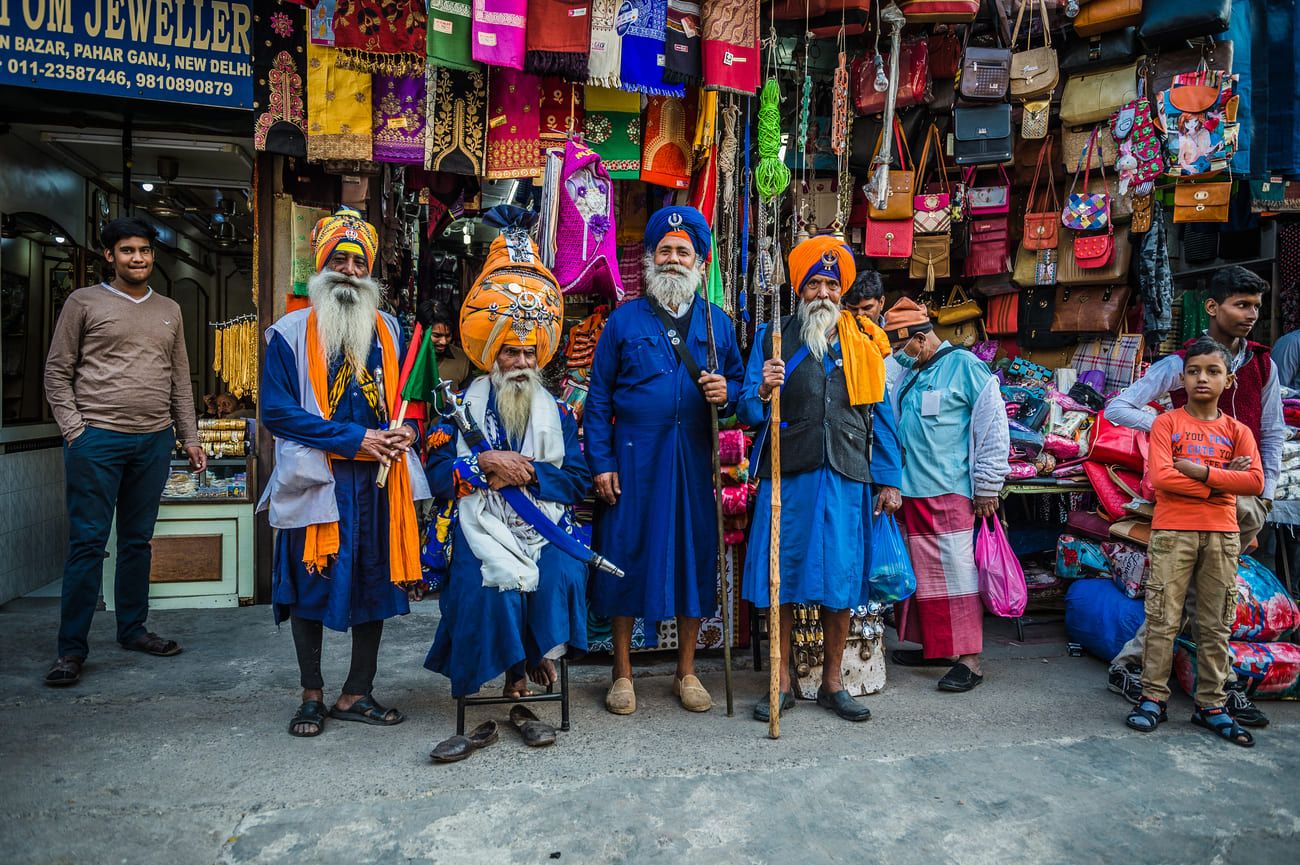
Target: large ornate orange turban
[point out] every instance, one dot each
(515, 300)
(822, 255)
(345, 231)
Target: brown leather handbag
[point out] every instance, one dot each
(1202, 202)
(1042, 222)
(902, 181)
(1089, 308)
(1068, 271)
(1103, 16)
(931, 258)
(1034, 72)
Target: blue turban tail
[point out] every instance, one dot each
(687, 219)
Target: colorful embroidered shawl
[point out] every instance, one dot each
(338, 108)
(562, 110)
(514, 129)
(643, 24)
(399, 119)
(457, 111)
(280, 72)
(666, 154)
(682, 43)
(381, 36)
(606, 44)
(612, 127)
(498, 30)
(448, 44)
(585, 227)
(559, 36)
(731, 46)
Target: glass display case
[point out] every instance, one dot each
(225, 480)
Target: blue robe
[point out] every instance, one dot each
(646, 419)
(484, 631)
(825, 516)
(356, 587)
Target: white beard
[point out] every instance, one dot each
(815, 319)
(345, 315)
(514, 392)
(670, 285)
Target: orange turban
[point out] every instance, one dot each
(822, 255)
(515, 301)
(345, 231)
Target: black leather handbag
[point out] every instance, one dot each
(1084, 53)
(982, 134)
(1172, 22)
(1037, 308)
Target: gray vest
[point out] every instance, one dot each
(819, 426)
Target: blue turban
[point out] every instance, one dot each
(687, 220)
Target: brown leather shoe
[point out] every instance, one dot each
(66, 671)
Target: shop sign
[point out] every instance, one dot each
(191, 51)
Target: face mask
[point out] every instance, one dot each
(905, 360)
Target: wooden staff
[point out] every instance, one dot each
(774, 544)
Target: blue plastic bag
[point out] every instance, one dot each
(890, 575)
(1100, 617)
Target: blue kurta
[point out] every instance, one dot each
(825, 516)
(646, 419)
(357, 586)
(484, 631)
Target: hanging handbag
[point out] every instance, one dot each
(1173, 22)
(1034, 118)
(1068, 271)
(1160, 67)
(1086, 211)
(888, 238)
(958, 308)
(945, 53)
(1092, 97)
(1041, 222)
(1003, 316)
(902, 182)
(913, 78)
(989, 250)
(985, 73)
(1089, 308)
(1034, 72)
(1103, 16)
(1202, 202)
(994, 286)
(1117, 357)
(964, 334)
(982, 135)
(1025, 270)
(1140, 223)
(988, 199)
(939, 11)
(1094, 251)
(1074, 147)
(932, 211)
(1036, 310)
(931, 258)
(1101, 51)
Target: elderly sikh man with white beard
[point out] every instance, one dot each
(344, 545)
(839, 444)
(648, 436)
(514, 602)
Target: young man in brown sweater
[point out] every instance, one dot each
(118, 381)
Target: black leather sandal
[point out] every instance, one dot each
(310, 712)
(367, 711)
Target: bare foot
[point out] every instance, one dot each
(516, 689)
(345, 701)
(544, 673)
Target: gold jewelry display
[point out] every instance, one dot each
(234, 355)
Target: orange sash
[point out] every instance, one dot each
(322, 540)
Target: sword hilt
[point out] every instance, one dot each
(603, 564)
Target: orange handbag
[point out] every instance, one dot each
(1003, 315)
(1103, 16)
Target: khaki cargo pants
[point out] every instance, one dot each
(1179, 560)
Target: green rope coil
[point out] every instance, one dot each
(771, 175)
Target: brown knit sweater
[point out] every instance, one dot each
(120, 365)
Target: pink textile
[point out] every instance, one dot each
(497, 32)
(585, 229)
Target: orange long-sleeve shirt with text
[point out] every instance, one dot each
(1183, 504)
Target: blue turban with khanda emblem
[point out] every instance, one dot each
(686, 222)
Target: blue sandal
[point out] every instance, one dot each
(1218, 721)
(1147, 715)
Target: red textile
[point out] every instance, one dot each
(945, 615)
(382, 36)
(730, 42)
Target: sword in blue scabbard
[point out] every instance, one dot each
(454, 410)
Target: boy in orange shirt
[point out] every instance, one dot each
(1201, 460)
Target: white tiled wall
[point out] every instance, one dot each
(33, 522)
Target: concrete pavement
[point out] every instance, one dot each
(186, 760)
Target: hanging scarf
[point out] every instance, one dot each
(321, 544)
(279, 73)
(322, 23)
(682, 42)
(457, 135)
(585, 226)
(381, 36)
(606, 51)
(643, 24)
(498, 30)
(731, 46)
(559, 36)
(338, 108)
(612, 127)
(561, 110)
(514, 129)
(666, 154)
(399, 119)
(448, 44)
(631, 271)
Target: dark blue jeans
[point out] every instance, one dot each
(107, 471)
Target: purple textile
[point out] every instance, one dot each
(399, 119)
(585, 228)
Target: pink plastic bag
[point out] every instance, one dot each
(1002, 581)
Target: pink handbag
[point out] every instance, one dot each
(1002, 580)
(994, 200)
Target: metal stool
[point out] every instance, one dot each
(549, 697)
